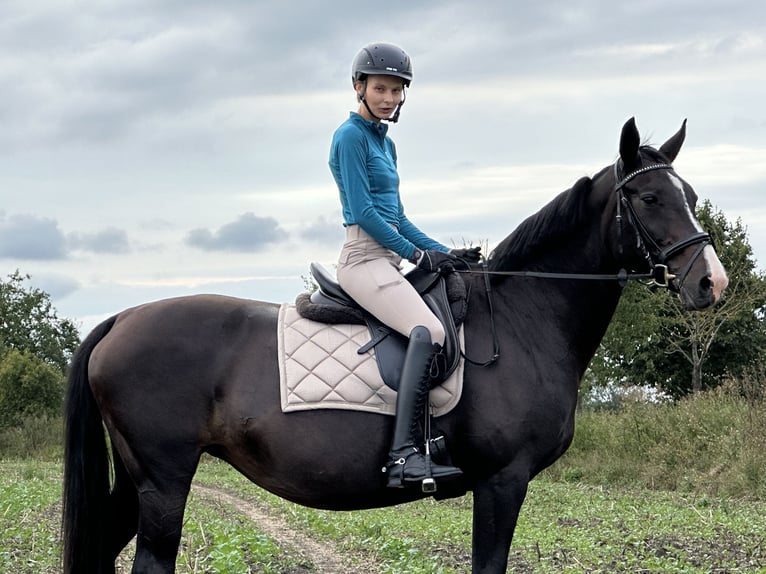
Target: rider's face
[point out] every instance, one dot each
(384, 93)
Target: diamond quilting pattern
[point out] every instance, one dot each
(320, 368)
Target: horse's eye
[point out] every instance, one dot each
(649, 198)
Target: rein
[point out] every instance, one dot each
(659, 277)
(658, 274)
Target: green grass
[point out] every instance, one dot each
(218, 540)
(429, 540)
(576, 528)
(29, 517)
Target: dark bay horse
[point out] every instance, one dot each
(173, 379)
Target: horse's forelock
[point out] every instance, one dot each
(654, 155)
(553, 222)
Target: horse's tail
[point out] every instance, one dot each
(86, 467)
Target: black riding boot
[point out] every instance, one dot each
(407, 465)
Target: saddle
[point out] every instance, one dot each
(445, 295)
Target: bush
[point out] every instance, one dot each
(29, 387)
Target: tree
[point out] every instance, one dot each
(29, 323)
(653, 341)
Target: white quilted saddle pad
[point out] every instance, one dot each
(319, 368)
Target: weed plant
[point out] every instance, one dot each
(712, 442)
(38, 438)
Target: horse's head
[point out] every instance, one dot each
(656, 222)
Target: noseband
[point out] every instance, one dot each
(659, 269)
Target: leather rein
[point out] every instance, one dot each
(658, 274)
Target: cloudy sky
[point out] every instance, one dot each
(154, 148)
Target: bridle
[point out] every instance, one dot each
(658, 264)
(658, 274)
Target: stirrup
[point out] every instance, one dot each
(428, 485)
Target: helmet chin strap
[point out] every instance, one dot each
(393, 119)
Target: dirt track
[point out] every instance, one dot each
(324, 558)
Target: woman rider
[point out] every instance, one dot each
(378, 236)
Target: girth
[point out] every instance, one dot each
(444, 295)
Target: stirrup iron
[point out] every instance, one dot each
(428, 484)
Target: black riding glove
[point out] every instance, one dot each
(468, 254)
(434, 261)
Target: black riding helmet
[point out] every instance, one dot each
(383, 59)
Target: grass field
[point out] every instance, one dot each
(564, 527)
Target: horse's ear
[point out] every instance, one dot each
(629, 142)
(671, 147)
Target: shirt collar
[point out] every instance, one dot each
(379, 128)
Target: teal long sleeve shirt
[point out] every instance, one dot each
(363, 163)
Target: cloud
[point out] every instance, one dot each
(735, 165)
(249, 233)
(327, 230)
(109, 240)
(80, 83)
(26, 236)
(57, 286)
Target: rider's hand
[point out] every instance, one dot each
(434, 261)
(468, 254)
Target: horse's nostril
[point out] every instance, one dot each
(706, 284)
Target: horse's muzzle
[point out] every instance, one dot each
(703, 285)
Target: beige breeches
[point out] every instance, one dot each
(370, 273)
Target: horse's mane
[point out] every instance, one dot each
(552, 224)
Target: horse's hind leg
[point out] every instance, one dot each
(159, 530)
(162, 477)
(123, 502)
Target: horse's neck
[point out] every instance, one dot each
(567, 315)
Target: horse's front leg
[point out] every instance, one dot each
(496, 505)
